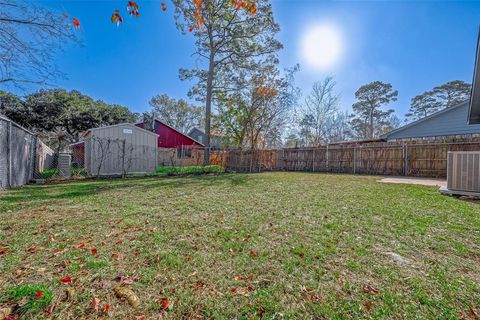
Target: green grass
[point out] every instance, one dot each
(26, 298)
(235, 246)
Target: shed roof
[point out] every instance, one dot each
(123, 125)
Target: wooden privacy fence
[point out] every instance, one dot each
(408, 159)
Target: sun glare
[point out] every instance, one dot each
(321, 47)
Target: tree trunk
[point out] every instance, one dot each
(208, 104)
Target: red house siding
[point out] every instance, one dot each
(169, 137)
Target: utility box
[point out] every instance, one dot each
(119, 150)
(463, 173)
(64, 165)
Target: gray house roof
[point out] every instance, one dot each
(451, 121)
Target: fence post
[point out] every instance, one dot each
(327, 157)
(405, 159)
(34, 156)
(354, 159)
(313, 160)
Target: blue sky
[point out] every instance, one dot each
(413, 45)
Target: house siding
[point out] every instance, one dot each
(170, 138)
(453, 122)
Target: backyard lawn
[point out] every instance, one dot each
(234, 246)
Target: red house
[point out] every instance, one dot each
(169, 137)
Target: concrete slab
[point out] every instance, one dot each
(418, 181)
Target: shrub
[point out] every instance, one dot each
(165, 170)
(48, 173)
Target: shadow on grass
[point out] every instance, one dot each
(84, 188)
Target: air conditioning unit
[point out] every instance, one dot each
(463, 173)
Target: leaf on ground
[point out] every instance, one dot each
(127, 294)
(70, 292)
(117, 256)
(252, 253)
(165, 304)
(95, 303)
(5, 312)
(66, 279)
(370, 289)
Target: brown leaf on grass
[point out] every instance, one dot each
(70, 292)
(5, 312)
(117, 256)
(31, 249)
(252, 253)
(127, 294)
(238, 278)
(370, 289)
(198, 285)
(142, 317)
(368, 305)
(95, 303)
(314, 298)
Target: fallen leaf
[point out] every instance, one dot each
(120, 276)
(5, 312)
(31, 249)
(106, 308)
(368, 305)
(117, 256)
(70, 292)
(370, 289)
(39, 294)
(301, 255)
(95, 303)
(81, 245)
(233, 290)
(314, 297)
(94, 251)
(252, 253)
(127, 294)
(165, 304)
(66, 279)
(142, 317)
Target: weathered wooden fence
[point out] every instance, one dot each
(421, 159)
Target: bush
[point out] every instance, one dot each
(48, 173)
(79, 172)
(165, 170)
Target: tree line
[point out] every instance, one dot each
(237, 86)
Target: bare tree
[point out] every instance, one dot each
(320, 108)
(30, 36)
